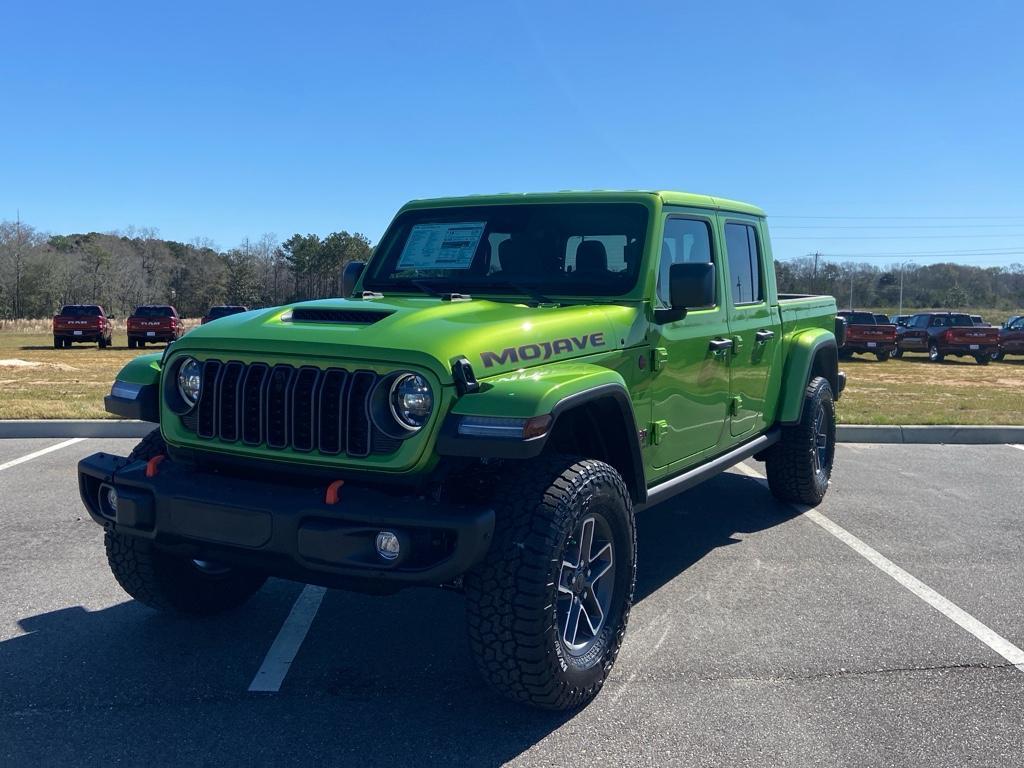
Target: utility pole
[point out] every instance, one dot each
(814, 277)
(851, 290)
(902, 264)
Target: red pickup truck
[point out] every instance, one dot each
(947, 333)
(154, 322)
(865, 334)
(81, 322)
(1011, 339)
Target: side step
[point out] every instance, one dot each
(715, 466)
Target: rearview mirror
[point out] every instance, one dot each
(350, 276)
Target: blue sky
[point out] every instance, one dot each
(231, 120)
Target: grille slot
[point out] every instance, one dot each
(280, 407)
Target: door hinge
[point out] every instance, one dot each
(736, 405)
(659, 356)
(658, 430)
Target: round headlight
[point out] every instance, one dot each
(190, 381)
(411, 401)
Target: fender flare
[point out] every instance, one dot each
(805, 352)
(451, 443)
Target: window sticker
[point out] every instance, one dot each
(441, 246)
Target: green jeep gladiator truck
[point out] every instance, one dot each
(503, 386)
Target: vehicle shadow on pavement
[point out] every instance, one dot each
(379, 681)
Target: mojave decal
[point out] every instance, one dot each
(542, 350)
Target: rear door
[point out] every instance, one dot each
(753, 327)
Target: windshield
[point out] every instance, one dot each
(153, 312)
(80, 310)
(588, 249)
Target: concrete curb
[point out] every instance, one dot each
(845, 433)
(952, 434)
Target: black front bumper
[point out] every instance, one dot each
(287, 529)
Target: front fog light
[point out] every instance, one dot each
(388, 546)
(190, 381)
(108, 501)
(411, 401)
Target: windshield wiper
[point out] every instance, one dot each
(427, 287)
(529, 290)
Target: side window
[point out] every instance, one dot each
(744, 253)
(686, 241)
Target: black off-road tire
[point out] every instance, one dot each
(882, 357)
(796, 471)
(513, 597)
(168, 582)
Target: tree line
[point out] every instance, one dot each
(120, 270)
(925, 286)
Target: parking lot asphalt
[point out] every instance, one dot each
(758, 638)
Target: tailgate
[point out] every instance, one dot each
(975, 335)
(871, 333)
(150, 324)
(76, 323)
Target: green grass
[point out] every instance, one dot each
(39, 382)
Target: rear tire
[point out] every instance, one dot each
(934, 355)
(545, 623)
(172, 583)
(982, 359)
(799, 466)
(882, 357)
(58, 342)
(131, 343)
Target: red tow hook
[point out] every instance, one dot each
(152, 464)
(333, 492)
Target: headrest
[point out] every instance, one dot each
(591, 257)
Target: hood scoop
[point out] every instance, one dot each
(336, 316)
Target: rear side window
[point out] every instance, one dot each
(686, 241)
(744, 263)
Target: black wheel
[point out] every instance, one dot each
(58, 342)
(131, 343)
(997, 356)
(799, 466)
(172, 583)
(982, 359)
(896, 353)
(882, 357)
(934, 355)
(547, 608)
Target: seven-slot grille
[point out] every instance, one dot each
(281, 406)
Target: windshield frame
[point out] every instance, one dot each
(494, 285)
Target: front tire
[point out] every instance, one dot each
(547, 608)
(934, 355)
(172, 583)
(799, 466)
(997, 357)
(896, 353)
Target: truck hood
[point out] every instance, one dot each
(495, 336)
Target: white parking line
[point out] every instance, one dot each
(288, 641)
(37, 454)
(954, 613)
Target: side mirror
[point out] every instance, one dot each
(690, 286)
(350, 276)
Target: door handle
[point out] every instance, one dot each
(719, 345)
(764, 336)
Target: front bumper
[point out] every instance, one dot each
(287, 529)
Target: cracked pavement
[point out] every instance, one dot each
(756, 639)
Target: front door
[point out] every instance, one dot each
(690, 383)
(752, 326)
